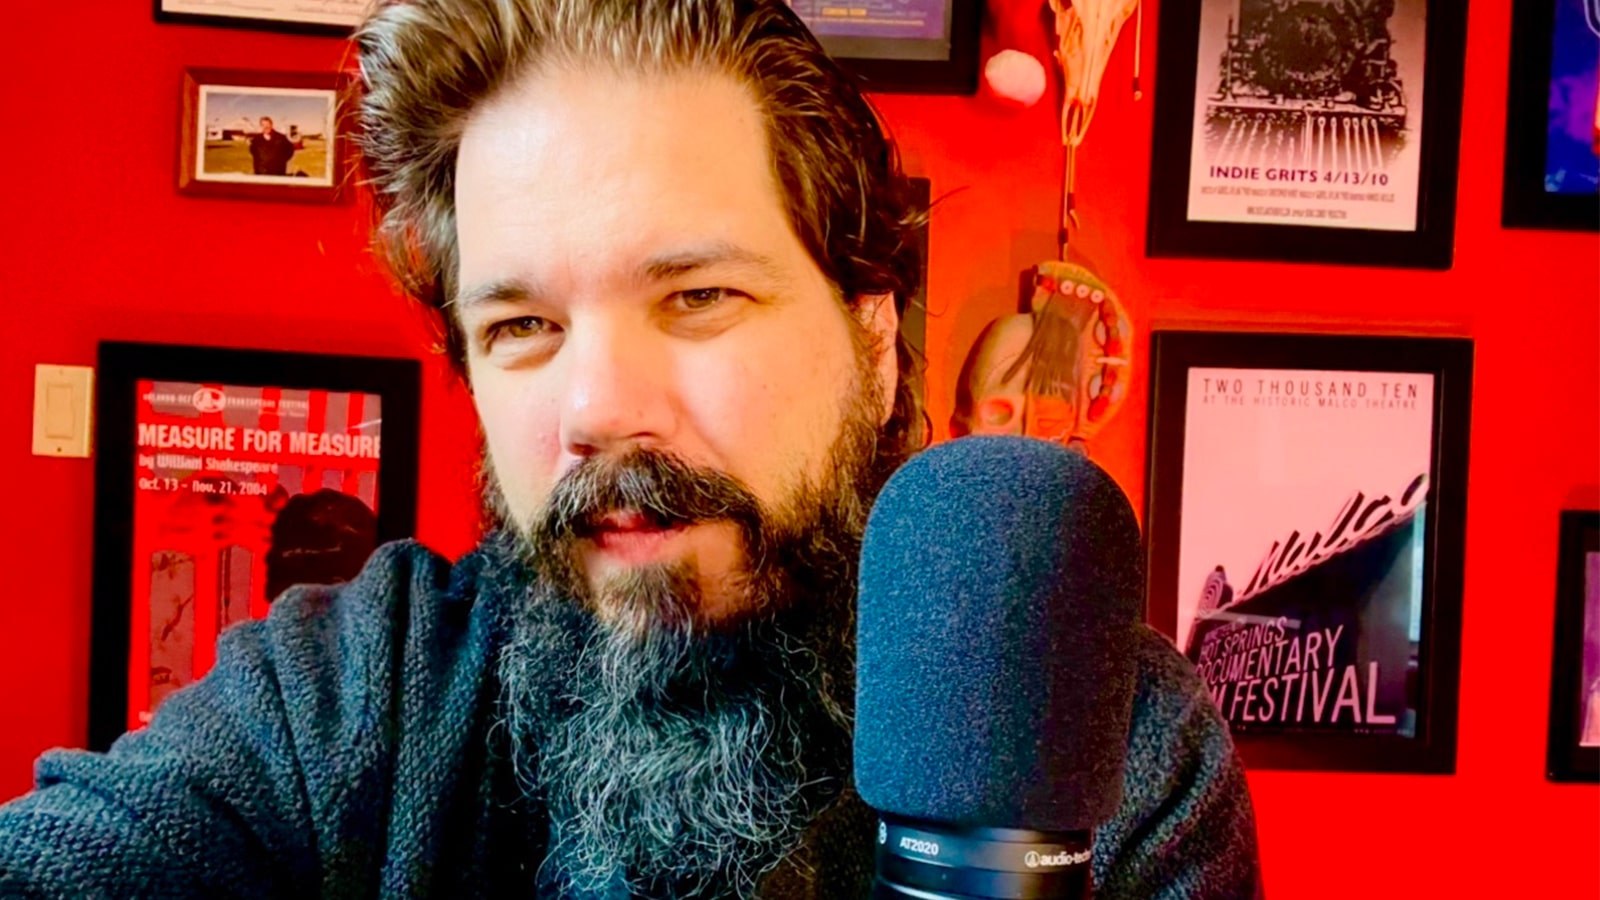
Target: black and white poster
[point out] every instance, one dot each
(1305, 499)
(1309, 112)
(1306, 529)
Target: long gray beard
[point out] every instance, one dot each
(688, 765)
(676, 760)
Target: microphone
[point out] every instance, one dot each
(1001, 583)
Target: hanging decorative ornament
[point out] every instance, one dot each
(1059, 369)
(1015, 78)
(1086, 33)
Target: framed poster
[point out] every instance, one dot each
(1314, 131)
(331, 17)
(1306, 518)
(1552, 177)
(224, 476)
(901, 46)
(1573, 752)
(262, 135)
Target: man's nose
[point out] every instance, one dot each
(616, 388)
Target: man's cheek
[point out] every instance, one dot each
(525, 459)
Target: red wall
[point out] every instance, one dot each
(98, 245)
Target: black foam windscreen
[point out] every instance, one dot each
(1001, 583)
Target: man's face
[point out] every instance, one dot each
(266, 126)
(629, 280)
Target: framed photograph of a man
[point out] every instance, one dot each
(1306, 519)
(1574, 740)
(266, 135)
(1308, 130)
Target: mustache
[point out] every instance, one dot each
(667, 490)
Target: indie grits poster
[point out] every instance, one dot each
(1309, 113)
(239, 493)
(1300, 565)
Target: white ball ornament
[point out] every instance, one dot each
(1014, 77)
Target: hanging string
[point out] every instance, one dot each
(1138, 48)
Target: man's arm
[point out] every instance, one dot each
(1186, 828)
(205, 800)
(239, 786)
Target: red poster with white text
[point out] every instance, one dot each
(240, 491)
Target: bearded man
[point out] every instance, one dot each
(669, 244)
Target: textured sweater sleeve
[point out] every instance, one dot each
(228, 792)
(1186, 828)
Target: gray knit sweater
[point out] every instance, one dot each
(345, 747)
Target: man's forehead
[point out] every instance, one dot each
(606, 171)
(597, 114)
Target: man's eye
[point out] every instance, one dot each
(702, 298)
(520, 328)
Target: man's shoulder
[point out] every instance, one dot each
(1171, 705)
(408, 600)
(396, 578)
(342, 662)
(1185, 823)
(1166, 677)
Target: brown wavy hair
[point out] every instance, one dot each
(427, 64)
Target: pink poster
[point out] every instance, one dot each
(1302, 545)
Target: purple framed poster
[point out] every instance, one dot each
(905, 46)
(1306, 520)
(1552, 174)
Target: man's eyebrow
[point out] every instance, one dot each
(682, 262)
(662, 267)
(511, 290)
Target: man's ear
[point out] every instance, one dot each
(877, 315)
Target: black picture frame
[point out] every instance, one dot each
(1293, 587)
(908, 65)
(1430, 244)
(297, 381)
(1573, 703)
(1525, 203)
(251, 17)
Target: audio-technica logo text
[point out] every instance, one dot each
(1035, 859)
(915, 845)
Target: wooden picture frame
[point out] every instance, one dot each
(1291, 132)
(1306, 514)
(1549, 172)
(263, 135)
(221, 477)
(1573, 749)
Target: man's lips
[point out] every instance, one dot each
(632, 538)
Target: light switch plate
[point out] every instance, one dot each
(63, 397)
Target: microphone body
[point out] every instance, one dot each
(1001, 583)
